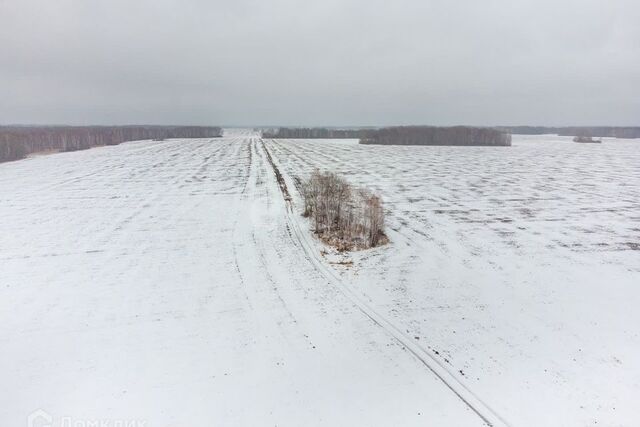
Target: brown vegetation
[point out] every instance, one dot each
(343, 216)
(16, 142)
(432, 135)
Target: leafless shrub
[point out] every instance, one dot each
(345, 217)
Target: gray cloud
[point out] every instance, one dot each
(347, 62)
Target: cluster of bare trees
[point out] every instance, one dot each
(432, 135)
(343, 216)
(16, 142)
(313, 133)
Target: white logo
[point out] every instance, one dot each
(39, 418)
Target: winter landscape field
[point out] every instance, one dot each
(175, 284)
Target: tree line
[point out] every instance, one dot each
(314, 133)
(433, 135)
(447, 134)
(17, 142)
(599, 131)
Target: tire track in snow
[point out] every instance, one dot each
(234, 232)
(474, 402)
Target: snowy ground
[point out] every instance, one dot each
(170, 282)
(161, 281)
(519, 268)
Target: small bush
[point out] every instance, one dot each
(343, 216)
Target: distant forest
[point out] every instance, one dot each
(17, 142)
(599, 131)
(313, 133)
(433, 135)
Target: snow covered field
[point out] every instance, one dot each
(160, 281)
(170, 282)
(518, 267)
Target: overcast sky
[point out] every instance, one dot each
(329, 62)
